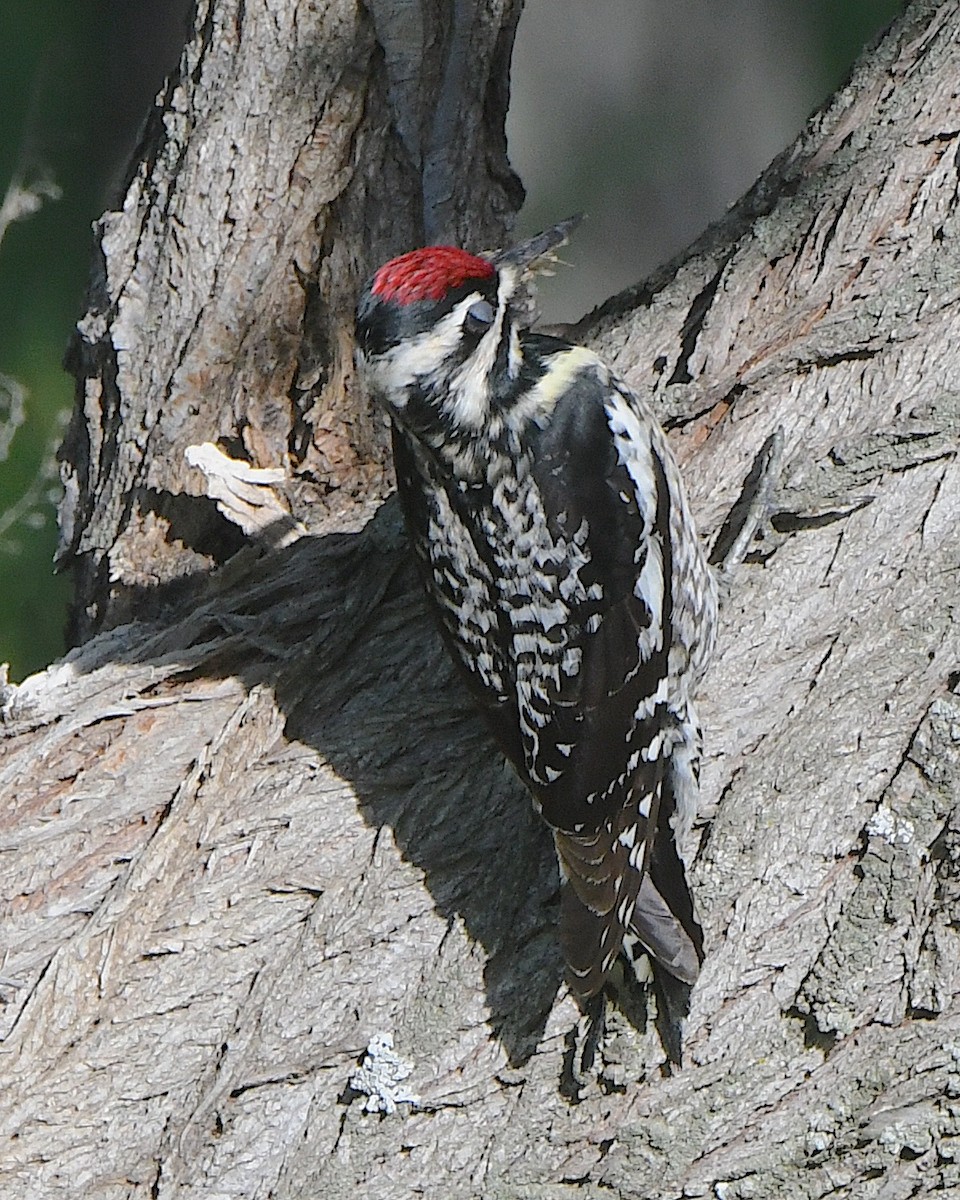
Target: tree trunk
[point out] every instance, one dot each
(252, 823)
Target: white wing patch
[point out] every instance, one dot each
(635, 452)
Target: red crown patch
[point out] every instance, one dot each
(428, 274)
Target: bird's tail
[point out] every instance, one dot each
(624, 890)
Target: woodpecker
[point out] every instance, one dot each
(558, 552)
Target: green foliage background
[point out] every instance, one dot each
(45, 105)
(76, 79)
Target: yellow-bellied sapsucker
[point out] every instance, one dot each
(557, 548)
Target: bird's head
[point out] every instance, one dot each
(438, 332)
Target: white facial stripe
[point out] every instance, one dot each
(468, 401)
(396, 371)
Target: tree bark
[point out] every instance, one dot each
(251, 822)
(293, 152)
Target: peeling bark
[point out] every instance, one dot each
(261, 825)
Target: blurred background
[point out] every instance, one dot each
(651, 116)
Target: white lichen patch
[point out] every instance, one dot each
(885, 823)
(380, 1077)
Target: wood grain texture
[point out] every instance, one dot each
(278, 168)
(247, 834)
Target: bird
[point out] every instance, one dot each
(558, 552)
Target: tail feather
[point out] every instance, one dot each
(661, 932)
(625, 889)
(590, 940)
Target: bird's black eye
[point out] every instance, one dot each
(479, 317)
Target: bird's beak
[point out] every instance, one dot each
(527, 254)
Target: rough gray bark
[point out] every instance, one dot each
(248, 835)
(293, 152)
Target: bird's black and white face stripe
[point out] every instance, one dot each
(438, 342)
